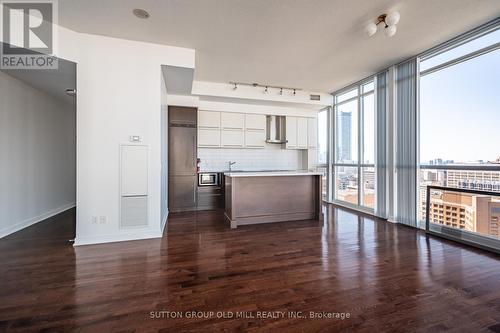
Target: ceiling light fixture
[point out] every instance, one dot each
(267, 87)
(71, 92)
(390, 20)
(141, 13)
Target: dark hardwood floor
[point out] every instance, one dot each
(389, 278)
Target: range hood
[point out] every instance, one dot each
(276, 129)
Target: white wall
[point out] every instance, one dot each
(226, 90)
(118, 95)
(273, 157)
(37, 151)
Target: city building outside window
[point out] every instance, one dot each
(354, 146)
(459, 135)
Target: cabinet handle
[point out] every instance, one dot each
(208, 127)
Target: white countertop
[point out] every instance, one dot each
(273, 173)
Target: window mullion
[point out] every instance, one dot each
(360, 148)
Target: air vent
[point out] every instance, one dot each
(315, 97)
(134, 211)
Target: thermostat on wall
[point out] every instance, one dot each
(135, 138)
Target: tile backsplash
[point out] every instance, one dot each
(273, 157)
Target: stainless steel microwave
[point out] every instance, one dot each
(208, 179)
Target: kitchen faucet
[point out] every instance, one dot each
(231, 163)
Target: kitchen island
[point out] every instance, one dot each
(265, 197)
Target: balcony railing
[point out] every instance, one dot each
(483, 177)
(462, 167)
(471, 217)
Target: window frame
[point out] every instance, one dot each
(468, 37)
(360, 164)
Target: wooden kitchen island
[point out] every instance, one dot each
(265, 197)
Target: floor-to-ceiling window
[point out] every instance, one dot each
(460, 134)
(354, 146)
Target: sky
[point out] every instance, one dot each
(460, 107)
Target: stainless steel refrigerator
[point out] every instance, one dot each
(182, 164)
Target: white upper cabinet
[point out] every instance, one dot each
(232, 120)
(209, 137)
(312, 132)
(240, 130)
(255, 122)
(302, 133)
(255, 139)
(291, 132)
(209, 119)
(233, 138)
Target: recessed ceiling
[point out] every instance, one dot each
(50, 81)
(317, 45)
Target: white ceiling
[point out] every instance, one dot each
(315, 45)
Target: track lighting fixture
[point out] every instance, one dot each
(389, 20)
(267, 88)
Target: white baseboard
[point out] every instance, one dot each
(117, 237)
(29, 222)
(164, 222)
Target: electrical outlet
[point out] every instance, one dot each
(94, 219)
(102, 219)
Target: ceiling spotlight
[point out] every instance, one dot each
(141, 13)
(71, 92)
(389, 20)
